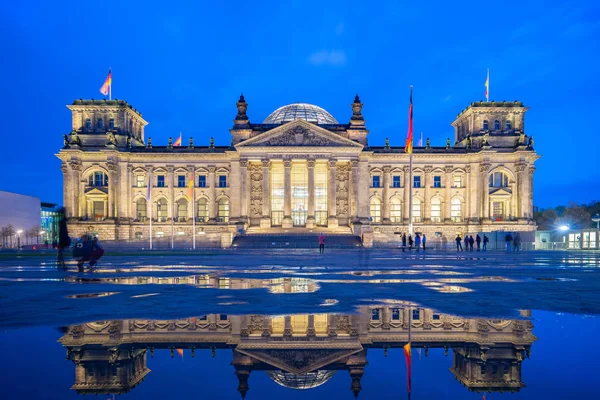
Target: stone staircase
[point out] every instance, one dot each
(296, 238)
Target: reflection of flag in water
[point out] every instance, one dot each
(180, 352)
(407, 355)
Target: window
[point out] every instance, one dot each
(416, 206)
(202, 210)
(277, 193)
(321, 182)
(140, 212)
(456, 210)
(375, 314)
(202, 181)
(162, 210)
(457, 181)
(111, 123)
(416, 315)
(485, 125)
(376, 181)
(100, 124)
(395, 314)
(98, 179)
(88, 123)
(436, 210)
(139, 181)
(181, 210)
(396, 181)
(180, 180)
(498, 179)
(437, 181)
(496, 125)
(223, 210)
(395, 210)
(222, 317)
(498, 210)
(375, 210)
(222, 181)
(508, 125)
(435, 317)
(160, 181)
(417, 181)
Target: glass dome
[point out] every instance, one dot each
(307, 112)
(305, 381)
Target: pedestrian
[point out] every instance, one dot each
(410, 241)
(403, 241)
(458, 243)
(508, 239)
(466, 242)
(54, 244)
(46, 243)
(64, 241)
(471, 242)
(417, 241)
(424, 241)
(321, 243)
(517, 242)
(485, 242)
(478, 242)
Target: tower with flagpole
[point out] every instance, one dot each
(106, 88)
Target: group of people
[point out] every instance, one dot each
(419, 240)
(515, 241)
(85, 249)
(470, 241)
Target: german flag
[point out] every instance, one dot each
(178, 141)
(105, 89)
(408, 148)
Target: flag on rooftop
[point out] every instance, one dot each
(105, 89)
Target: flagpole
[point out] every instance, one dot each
(150, 225)
(410, 198)
(110, 86)
(173, 226)
(193, 220)
(487, 97)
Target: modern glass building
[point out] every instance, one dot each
(49, 222)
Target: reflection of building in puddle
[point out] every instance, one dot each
(301, 351)
(276, 285)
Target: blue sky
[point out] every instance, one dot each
(184, 65)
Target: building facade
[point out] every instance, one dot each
(298, 169)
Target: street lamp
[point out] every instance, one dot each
(596, 219)
(563, 228)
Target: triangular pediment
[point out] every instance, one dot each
(501, 192)
(100, 192)
(299, 133)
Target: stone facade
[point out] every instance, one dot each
(297, 173)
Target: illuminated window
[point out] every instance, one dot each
(202, 210)
(456, 210)
(277, 193)
(141, 209)
(416, 214)
(395, 210)
(98, 179)
(498, 179)
(162, 210)
(140, 181)
(436, 210)
(223, 210)
(375, 210)
(321, 194)
(457, 181)
(181, 210)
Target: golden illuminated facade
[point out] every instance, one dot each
(298, 170)
(301, 351)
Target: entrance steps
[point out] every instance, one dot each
(296, 238)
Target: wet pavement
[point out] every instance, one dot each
(234, 325)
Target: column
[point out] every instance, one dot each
(529, 193)
(310, 330)
(363, 191)
(244, 190)
(287, 188)
(332, 221)
(354, 191)
(235, 187)
(212, 194)
(171, 183)
(448, 182)
(406, 183)
(484, 179)
(82, 199)
(69, 183)
(265, 221)
(310, 220)
(190, 178)
(426, 209)
(112, 186)
(150, 209)
(386, 188)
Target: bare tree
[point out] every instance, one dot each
(10, 232)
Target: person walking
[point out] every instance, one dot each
(517, 242)
(471, 242)
(403, 242)
(485, 242)
(321, 243)
(508, 240)
(410, 241)
(64, 241)
(458, 243)
(417, 242)
(466, 242)
(478, 241)
(424, 241)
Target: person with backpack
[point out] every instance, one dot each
(417, 241)
(478, 241)
(424, 241)
(87, 249)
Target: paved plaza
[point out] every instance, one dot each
(492, 284)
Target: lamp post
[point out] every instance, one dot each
(19, 238)
(596, 219)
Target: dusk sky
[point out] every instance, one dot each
(184, 66)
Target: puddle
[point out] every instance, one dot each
(91, 295)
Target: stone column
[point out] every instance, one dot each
(112, 187)
(406, 183)
(363, 205)
(82, 199)
(529, 193)
(212, 194)
(69, 183)
(310, 220)
(235, 191)
(353, 190)
(171, 183)
(287, 187)
(484, 182)
(426, 209)
(386, 187)
(265, 221)
(310, 330)
(332, 221)
(244, 189)
(448, 182)
(190, 178)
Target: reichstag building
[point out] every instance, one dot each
(298, 170)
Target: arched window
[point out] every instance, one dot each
(436, 210)
(375, 210)
(98, 179)
(202, 210)
(508, 125)
(395, 211)
(111, 123)
(181, 210)
(223, 210)
(485, 125)
(162, 210)
(498, 180)
(140, 209)
(496, 125)
(416, 210)
(88, 123)
(456, 210)
(100, 124)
